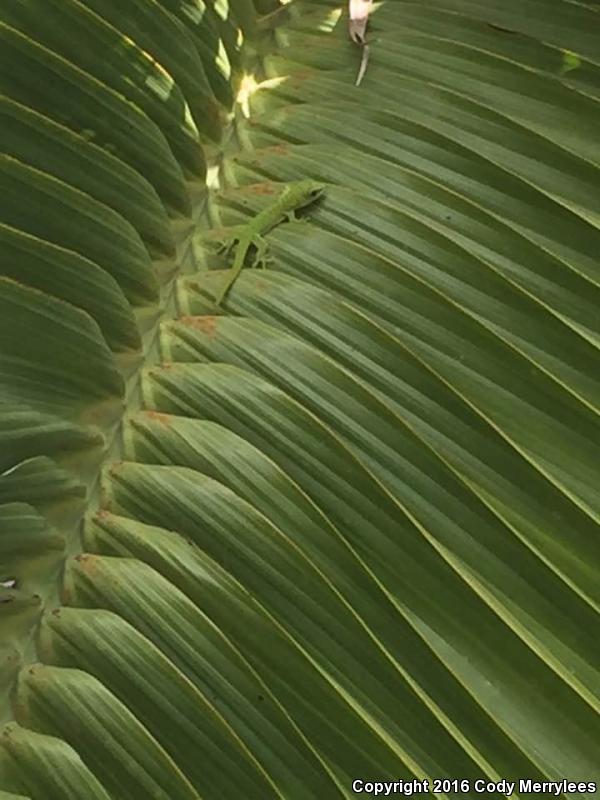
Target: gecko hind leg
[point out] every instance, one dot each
(227, 245)
(261, 257)
(261, 248)
(229, 241)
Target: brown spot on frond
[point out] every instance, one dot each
(261, 188)
(281, 149)
(164, 419)
(207, 324)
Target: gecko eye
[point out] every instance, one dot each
(316, 193)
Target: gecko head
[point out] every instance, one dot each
(312, 189)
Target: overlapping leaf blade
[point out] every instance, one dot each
(72, 97)
(62, 25)
(37, 141)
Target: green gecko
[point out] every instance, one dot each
(295, 196)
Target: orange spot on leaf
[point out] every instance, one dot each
(279, 149)
(260, 285)
(165, 419)
(302, 75)
(207, 324)
(261, 188)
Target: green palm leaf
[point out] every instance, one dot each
(346, 527)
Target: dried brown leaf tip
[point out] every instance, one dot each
(359, 11)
